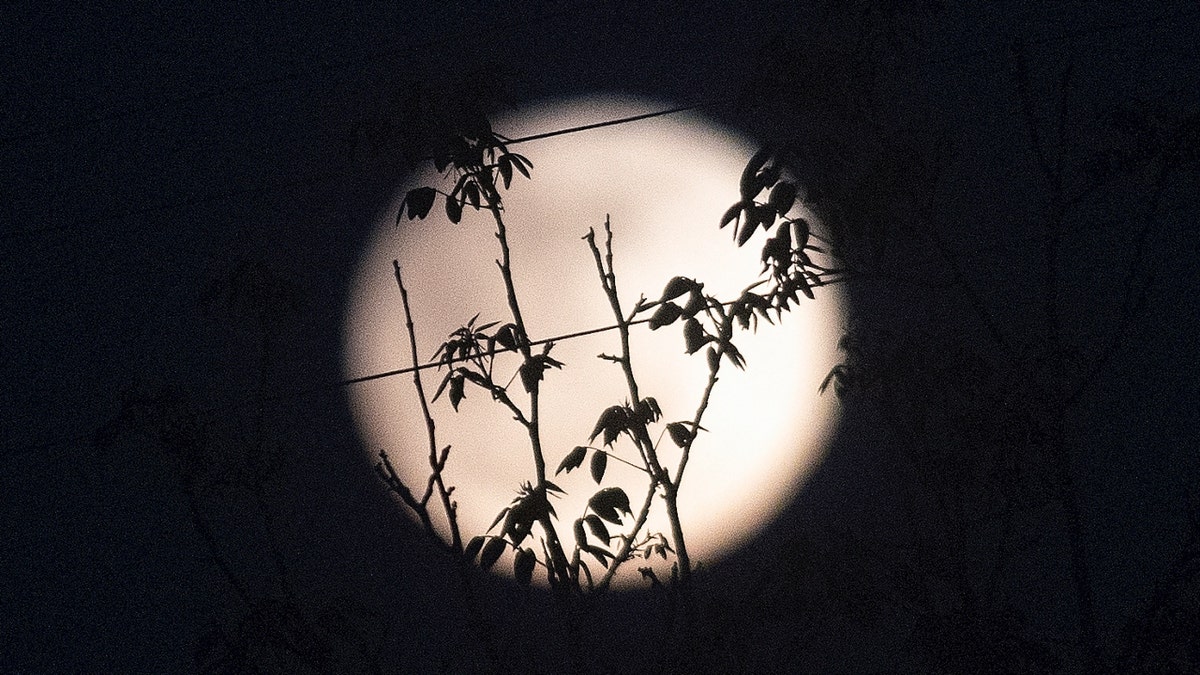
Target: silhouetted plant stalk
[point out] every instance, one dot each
(480, 161)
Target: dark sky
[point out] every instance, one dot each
(185, 193)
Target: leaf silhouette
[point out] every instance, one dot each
(473, 547)
(491, 552)
(802, 232)
(523, 564)
(599, 554)
(749, 227)
(499, 517)
(648, 410)
(453, 210)
(597, 526)
(666, 314)
(609, 504)
(505, 336)
(573, 459)
(522, 163)
(735, 356)
(679, 433)
(693, 336)
(419, 201)
(750, 184)
(731, 215)
(457, 390)
(471, 195)
(783, 196)
(599, 462)
(676, 287)
(505, 165)
(612, 422)
(533, 369)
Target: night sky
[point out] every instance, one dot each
(1014, 485)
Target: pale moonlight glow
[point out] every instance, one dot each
(665, 183)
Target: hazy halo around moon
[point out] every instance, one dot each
(665, 183)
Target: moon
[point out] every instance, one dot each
(663, 183)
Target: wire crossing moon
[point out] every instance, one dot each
(664, 182)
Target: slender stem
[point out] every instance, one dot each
(436, 463)
(627, 542)
(492, 198)
(658, 476)
(608, 279)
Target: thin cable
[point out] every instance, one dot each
(623, 120)
(438, 364)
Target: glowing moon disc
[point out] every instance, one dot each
(665, 183)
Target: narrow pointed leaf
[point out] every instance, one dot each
(442, 386)
(473, 547)
(599, 462)
(802, 283)
(506, 170)
(580, 534)
(499, 517)
(453, 210)
(573, 459)
(523, 165)
(599, 554)
(734, 356)
(730, 215)
(491, 552)
(471, 195)
(749, 184)
(598, 528)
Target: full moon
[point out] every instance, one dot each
(664, 183)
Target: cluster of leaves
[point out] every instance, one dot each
(476, 348)
(478, 158)
(607, 506)
(790, 270)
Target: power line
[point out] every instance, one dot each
(623, 120)
(438, 364)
